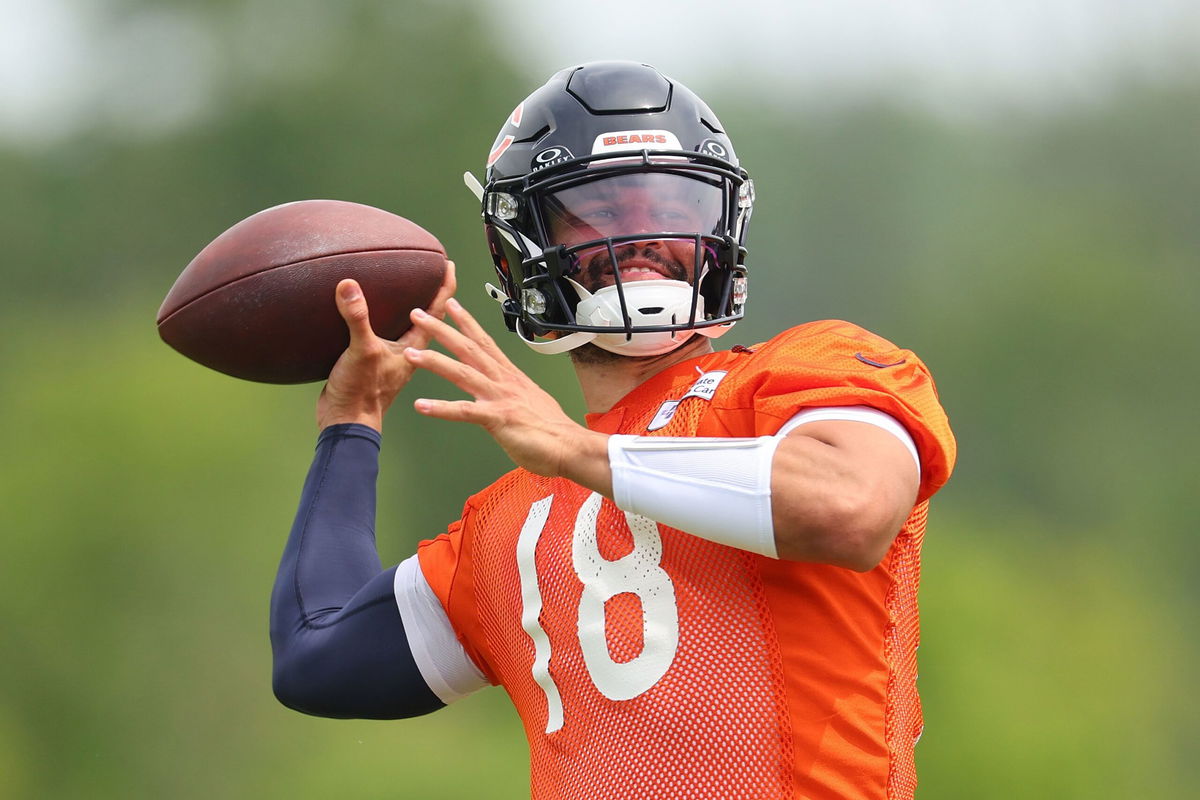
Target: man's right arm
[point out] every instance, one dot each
(349, 638)
(339, 643)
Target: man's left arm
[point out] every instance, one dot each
(830, 491)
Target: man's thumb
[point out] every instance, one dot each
(353, 308)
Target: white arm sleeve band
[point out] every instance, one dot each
(444, 664)
(717, 489)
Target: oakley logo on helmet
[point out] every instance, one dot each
(615, 141)
(714, 148)
(549, 157)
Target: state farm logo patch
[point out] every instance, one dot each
(705, 388)
(616, 141)
(706, 385)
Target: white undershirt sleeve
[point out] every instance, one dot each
(871, 416)
(444, 664)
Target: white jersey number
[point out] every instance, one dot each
(639, 572)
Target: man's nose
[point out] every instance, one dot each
(658, 246)
(641, 221)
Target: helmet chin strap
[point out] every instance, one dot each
(560, 345)
(474, 185)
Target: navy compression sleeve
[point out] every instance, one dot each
(336, 634)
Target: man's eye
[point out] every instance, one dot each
(598, 214)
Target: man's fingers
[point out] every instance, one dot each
(467, 349)
(449, 285)
(474, 331)
(449, 410)
(418, 337)
(464, 376)
(353, 307)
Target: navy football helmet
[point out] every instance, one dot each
(616, 212)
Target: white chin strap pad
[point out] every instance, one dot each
(650, 302)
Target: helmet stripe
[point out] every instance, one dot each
(505, 143)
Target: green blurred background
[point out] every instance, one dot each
(1035, 238)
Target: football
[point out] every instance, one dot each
(258, 301)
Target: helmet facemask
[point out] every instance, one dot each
(632, 254)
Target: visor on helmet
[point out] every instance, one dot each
(642, 202)
(634, 226)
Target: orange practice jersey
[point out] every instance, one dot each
(648, 663)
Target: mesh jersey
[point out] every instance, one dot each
(648, 663)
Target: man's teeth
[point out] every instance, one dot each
(638, 271)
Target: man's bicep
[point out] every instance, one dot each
(882, 455)
(868, 417)
(354, 662)
(843, 482)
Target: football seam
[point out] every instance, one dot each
(218, 287)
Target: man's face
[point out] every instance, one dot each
(652, 203)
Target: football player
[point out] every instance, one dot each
(706, 590)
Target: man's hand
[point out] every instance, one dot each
(522, 417)
(372, 371)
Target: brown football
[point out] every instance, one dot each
(258, 302)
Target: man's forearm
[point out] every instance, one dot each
(330, 553)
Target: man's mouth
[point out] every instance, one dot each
(646, 265)
(640, 271)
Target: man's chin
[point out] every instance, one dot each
(592, 355)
